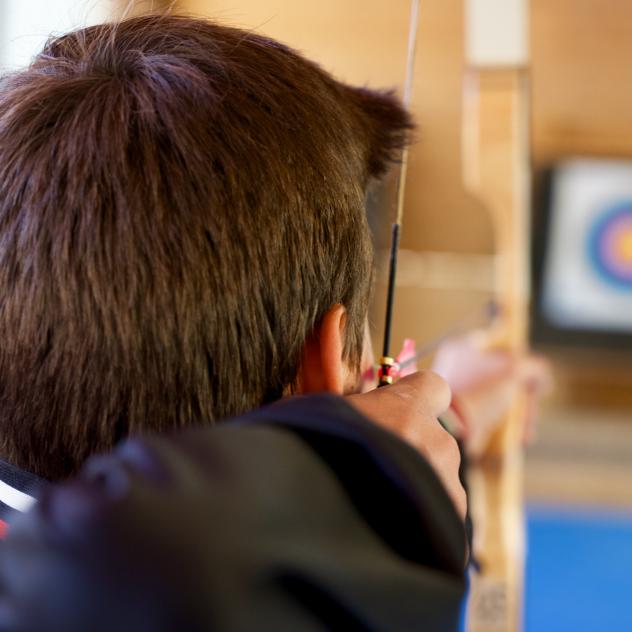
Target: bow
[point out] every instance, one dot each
(496, 172)
(387, 362)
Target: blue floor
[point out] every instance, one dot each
(579, 570)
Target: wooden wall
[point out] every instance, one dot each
(582, 78)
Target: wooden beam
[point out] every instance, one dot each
(496, 171)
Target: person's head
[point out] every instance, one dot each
(182, 232)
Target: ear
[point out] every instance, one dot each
(322, 368)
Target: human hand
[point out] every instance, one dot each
(485, 382)
(410, 409)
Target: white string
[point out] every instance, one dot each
(408, 90)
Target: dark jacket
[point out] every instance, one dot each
(300, 516)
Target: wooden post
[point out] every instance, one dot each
(496, 171)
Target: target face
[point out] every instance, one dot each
(587, 272)
(610, 246)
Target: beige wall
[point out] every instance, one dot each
(582, 77)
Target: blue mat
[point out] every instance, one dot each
(579, 570)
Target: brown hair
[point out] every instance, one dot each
(180, 203)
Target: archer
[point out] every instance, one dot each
(183, 240)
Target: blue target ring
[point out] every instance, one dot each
(610, 246)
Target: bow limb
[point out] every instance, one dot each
(496, 167)
(387, 363)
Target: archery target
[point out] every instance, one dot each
(587, 280)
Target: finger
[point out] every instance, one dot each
(426, 391)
